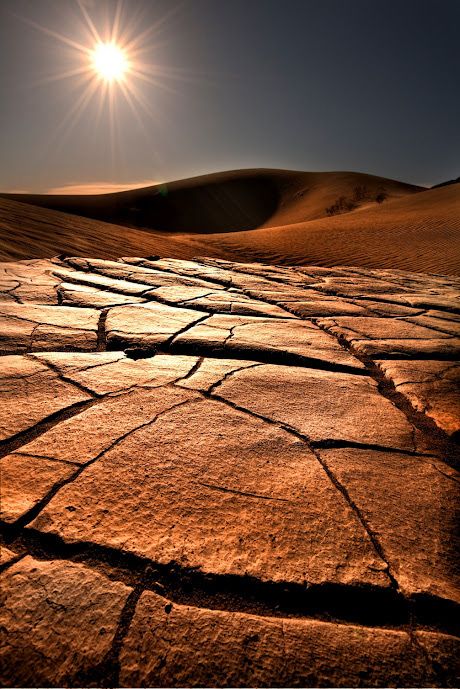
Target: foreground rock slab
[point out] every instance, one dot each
(177, 645)
(433, 388)
(29, 328)
(216, 509)
(222, 474)
(320, 406)
(41, 602)
(411, 485)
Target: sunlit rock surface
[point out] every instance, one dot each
(220, 474)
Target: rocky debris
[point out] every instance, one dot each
(228, 474)
(310, 306)
(319, 406)
(408, 338)
(291, 341)
(95, 281)
(423, 494)
(7, 556)
(88, 296)
(31, 393)
(100, 426)
(221, 301)
(354, 329)
(432, 349)
(193, 271)
(209, 373)
(214, 510)
(151, 276)
(26, 481)
(28, 281)
(436, 320)
(111, 372)
(147, 326)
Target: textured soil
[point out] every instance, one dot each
(227, 474)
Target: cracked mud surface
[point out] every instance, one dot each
(221, 474)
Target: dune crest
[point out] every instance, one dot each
(225, 201)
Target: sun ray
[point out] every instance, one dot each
(64, 128)
(70, 120)
(61, 75)
(112, 124)
(89, 22)
(115, 37)
(140, 100)
(150, 31)
(153, 82)
(130, 100)
(54, 34)
(112, 66)
(103, 91)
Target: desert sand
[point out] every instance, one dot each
(272, 216)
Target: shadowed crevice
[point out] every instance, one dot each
(439, 443)
(340, 603)
(26, 436)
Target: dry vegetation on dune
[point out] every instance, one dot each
(266, 215)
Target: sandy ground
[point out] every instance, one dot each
(270, 216)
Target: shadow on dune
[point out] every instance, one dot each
(207, 204)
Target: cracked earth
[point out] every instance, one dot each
(221, 474)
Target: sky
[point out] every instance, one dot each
(363, 85)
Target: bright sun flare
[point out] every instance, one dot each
(110, 69)
(109, 61)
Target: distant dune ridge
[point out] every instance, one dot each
(276, 216)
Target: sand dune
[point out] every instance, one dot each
(32, 232)
(265, 215)
(419, 232)
(225, 201)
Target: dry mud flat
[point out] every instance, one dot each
(221, 474)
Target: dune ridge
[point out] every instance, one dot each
(279, 217)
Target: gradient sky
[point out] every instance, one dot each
(362, 85)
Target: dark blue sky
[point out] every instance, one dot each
(303, 84)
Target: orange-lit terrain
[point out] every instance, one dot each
(226, 474)
(229, 354)
(262, 215)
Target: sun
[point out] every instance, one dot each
(109, 61)
(110, 68)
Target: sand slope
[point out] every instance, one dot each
(419, 232)
(412, 229)
(31, 232)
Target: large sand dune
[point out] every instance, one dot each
(265, 215)
(225, 201)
